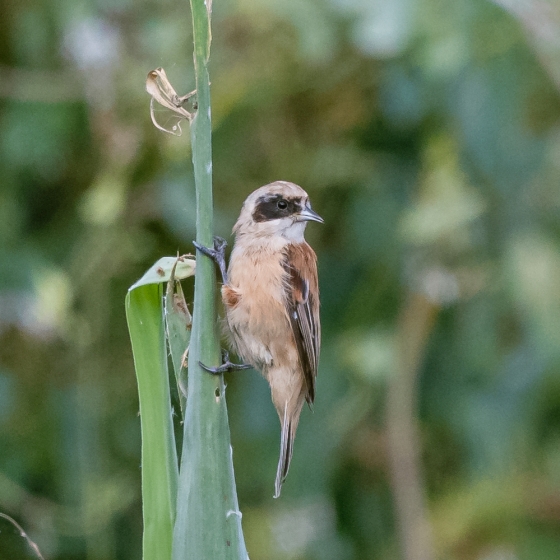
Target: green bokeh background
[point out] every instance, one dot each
(427, 134)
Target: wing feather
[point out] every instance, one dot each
(302, 306)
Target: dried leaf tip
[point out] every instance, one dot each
(161, 90)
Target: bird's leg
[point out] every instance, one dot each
(217, 254)
(226, 365)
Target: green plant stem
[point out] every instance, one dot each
(415, 326)
(208, 523)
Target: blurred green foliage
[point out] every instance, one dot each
(428, 136)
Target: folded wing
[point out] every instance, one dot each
(302, 306)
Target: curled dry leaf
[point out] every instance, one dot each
(159, 87)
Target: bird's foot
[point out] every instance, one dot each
(217, 254)
(226, 365)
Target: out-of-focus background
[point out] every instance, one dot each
(428, 136)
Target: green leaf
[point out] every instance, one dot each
(178, 323)
(159, 455)
(161, 271)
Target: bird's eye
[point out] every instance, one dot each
(282, 205)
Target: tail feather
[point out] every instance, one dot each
(286, 450)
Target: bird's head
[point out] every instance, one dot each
(278, 209)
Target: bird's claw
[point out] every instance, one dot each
(217, 251)
(226, 365)
(217, 254)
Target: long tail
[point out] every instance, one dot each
(286, 450)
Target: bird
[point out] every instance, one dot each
(270, 293)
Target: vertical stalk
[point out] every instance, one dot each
(415, 325)
(208, 523)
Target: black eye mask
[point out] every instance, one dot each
(274, 207)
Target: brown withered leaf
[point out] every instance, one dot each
(161, 90)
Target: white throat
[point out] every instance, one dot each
(294, 232)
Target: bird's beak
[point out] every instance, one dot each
(308, 215)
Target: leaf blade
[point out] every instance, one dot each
(159, 455)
